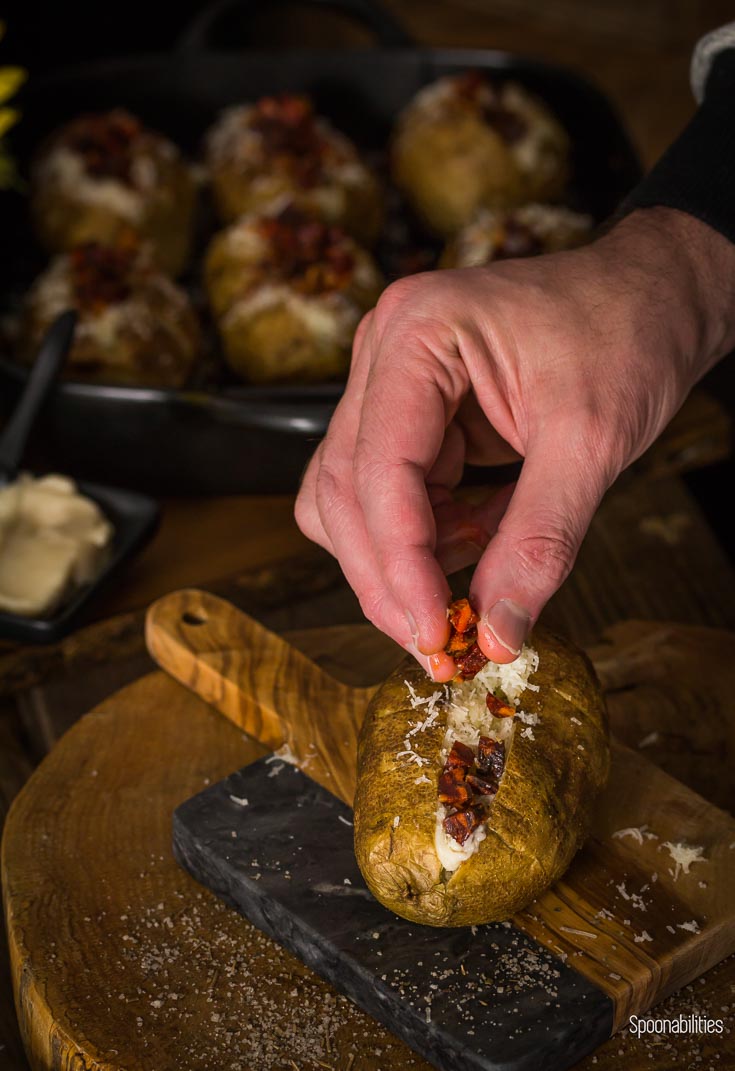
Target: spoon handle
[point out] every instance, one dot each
(54, 349)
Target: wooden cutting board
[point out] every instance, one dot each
(119, 962)
(627, 916)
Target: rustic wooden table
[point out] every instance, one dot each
(650, 554)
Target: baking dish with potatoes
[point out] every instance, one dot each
(226, 217)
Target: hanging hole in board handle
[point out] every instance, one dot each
(189, 617)
(201, 33)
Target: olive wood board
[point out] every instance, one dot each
(120, 962)
(624, 916)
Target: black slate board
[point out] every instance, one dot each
(484, 998)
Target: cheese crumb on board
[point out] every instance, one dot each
(684, 855)
(636, 832)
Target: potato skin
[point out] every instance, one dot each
(537, 821)
(277, 346)
(450, 161)
(271, 330)
(451, 167)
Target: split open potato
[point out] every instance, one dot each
(510, 760)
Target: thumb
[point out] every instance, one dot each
(535, 546)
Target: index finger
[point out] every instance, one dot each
(402, 427)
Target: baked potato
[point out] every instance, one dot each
(521, 232)
(464, 143)
(472, 798)
(277, 151)
(104, 174)
(287, 293)
(135, 326)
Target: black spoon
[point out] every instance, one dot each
(51, 355)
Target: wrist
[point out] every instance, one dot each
(681, 282)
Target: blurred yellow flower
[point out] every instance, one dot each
(8, 117)
(11, 79)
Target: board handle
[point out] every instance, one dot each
(260, 683)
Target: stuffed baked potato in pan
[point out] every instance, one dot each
(472, 798)
(521, 232)
(287, 293)
(103, 175)
(464, 143)
(135, 326)
(278, 151)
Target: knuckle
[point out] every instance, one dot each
(400, 294)
(545, 560)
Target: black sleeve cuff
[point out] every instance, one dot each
(697, 173)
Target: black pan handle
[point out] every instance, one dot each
(200, 34)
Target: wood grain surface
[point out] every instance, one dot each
(262, 684)
(124, 963)
(676, 561)
(637, 944)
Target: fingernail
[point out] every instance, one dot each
(441, 667)
(508, 624)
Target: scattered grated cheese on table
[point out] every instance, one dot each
(684, 855)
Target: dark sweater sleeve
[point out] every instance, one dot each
(697, 173)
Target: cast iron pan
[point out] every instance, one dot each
(233, 438)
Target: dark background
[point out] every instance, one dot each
(612, 42)
(40, 36)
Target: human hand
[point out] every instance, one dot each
(574, 362)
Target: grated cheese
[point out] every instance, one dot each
(684, 855)
(636, 832)
(285, 754)
(647, 741)
(434, 704)
(530, 719)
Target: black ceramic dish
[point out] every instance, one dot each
(133, 516)
(238, 438)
